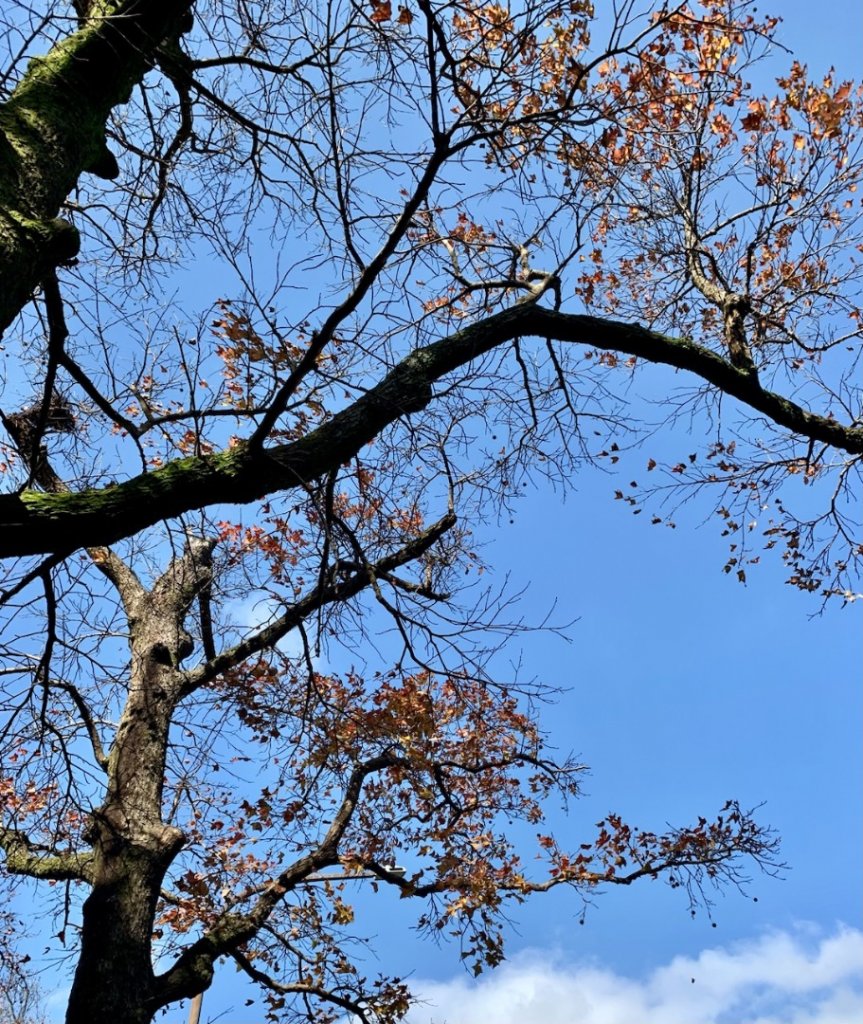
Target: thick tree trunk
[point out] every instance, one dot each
(114, 981)
(132, 846)
(132, 849)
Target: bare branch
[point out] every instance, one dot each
(331, 591)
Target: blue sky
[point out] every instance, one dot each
(684, 689)
(687, 689)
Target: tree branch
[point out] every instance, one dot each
(25, 858)
(35, 523)
(84, 711)
(328, 593)
(355, 1007)
(52, 129)
(191, 972)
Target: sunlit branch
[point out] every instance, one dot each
(24, 857)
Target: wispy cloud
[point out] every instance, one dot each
(253, 612)
(804, 977)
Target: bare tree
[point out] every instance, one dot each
(367, 272)
(20, 995)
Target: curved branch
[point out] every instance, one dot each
(89, 722)
(192, 971)
(35, 523)
(355, 1007)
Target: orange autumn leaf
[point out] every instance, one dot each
(382, 10)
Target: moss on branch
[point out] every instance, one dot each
(52, 129)
(23, 858)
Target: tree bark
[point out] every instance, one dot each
(114, 978)
(132, 845)
(52, 130)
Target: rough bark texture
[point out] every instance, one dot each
(118, 916)
(52, 129)
(132, 845)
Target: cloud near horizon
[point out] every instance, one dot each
(799, 977)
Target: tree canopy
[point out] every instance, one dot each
(294, 296)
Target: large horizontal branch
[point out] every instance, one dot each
(36, 523)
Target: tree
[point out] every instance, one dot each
(20, 998)
(405, 204)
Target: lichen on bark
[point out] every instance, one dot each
(52, 129)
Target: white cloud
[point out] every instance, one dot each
(253, 612)
(780, 978)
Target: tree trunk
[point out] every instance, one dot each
(132, 846)
(114, 980)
